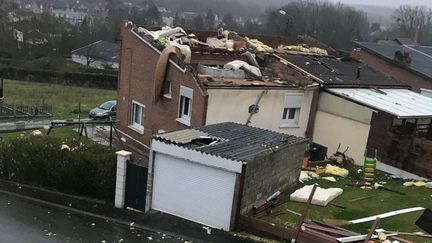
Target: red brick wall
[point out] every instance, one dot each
(137, 65)
(406, 152)
(398, 73)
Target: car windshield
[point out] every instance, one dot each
(107, 105)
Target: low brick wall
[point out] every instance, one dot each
(273, 172)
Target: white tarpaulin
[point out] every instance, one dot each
(321, 197)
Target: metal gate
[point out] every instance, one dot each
(136, 186)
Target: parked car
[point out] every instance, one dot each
(104, 111)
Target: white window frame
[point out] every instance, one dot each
(187, 93)
(286, 122)
(137, 127)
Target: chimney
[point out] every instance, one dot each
(358, 72)
(355, 54)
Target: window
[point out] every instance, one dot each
(167, 89)
(137, 118)
(185, 105)
(291, 111)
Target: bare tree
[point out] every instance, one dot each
(413, 21)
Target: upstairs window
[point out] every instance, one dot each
(185, 105)
(137, 117)
(291, 111)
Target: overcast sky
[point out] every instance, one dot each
(392, 3)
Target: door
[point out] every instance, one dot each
(193, 191)
(136, 186)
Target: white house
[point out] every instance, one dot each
(100, 54)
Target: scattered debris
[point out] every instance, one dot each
(336, 170)
(208, 229)
(359, 199)
(329, 178)
(93, 224)
(337, 222)
(321, 198)
(424, 222)
(149, 238)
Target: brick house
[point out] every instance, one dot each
(410, 64)
(213, 173)
(193, 95)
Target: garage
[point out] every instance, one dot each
(178, 190)
(212, 174)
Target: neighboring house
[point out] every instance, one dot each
(395, 122)
(410, 64)
(72, 15)
(213, 173)
(100, 54)
(362, 109)
(203, 93)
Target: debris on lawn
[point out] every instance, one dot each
(329, 178)
(424, 222)
(429, 185)
(267, 203)
(337, 222)
(336, 170)
(359, 199)
(321, 198)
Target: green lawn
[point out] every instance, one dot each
(62, 132)
(64, 99)
(380, 202)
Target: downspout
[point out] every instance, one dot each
(255, 107)
(312, 114)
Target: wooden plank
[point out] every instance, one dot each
(304, 214)
(372, 229)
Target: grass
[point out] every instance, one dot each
(61, 132)
(380, 202)
(64, 99)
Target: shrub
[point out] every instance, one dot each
(70, 167)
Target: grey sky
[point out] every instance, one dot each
(392, 3)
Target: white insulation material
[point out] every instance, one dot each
(321, 197)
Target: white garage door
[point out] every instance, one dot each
(192, 191)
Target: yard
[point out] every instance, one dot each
(65, 100)
(380, 201)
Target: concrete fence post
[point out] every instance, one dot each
(120, 191)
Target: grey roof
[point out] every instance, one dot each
(421, 56)
(235, 141)
(104, 50)
(337, 72)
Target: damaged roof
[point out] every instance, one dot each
(230, 140)
(421, 56)
(336, 72)
(401, 103)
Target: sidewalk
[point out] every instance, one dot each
(157, 221)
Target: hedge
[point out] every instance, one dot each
(93, 80)
(70, 167)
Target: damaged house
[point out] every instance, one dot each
(364, 110)
(214, 173)
(171, 80)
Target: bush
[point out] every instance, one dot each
(70, 167)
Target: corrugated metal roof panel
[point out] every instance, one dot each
(402, 103)
(182, 136)
(236, 141)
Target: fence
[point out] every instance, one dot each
(15, 111)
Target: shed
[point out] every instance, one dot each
(212, 173)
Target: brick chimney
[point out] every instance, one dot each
(356, 54)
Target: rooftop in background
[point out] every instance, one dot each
(230, 140)
(103, 50)
(401, 103)
(337, 72)
(421, 56)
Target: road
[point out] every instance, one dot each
(27, 221)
